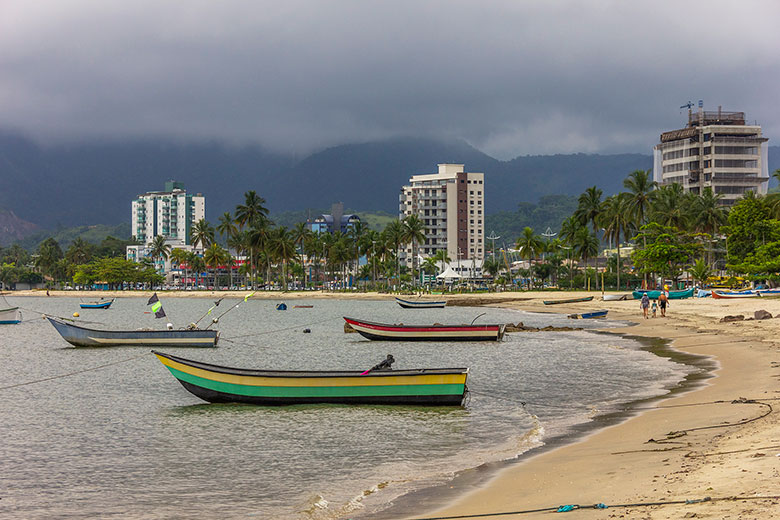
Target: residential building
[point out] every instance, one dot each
(170, 213)
(451, 205)
(336, 221)
(716, 149)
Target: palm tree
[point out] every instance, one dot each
(670, 206)
(179, 257)
(282, 249)
(257, 241)
(442, 257)
(215, 256)
(641, 189)
(159, 249)
(79, 252)
(251, 212)
(202, 233)
(700, 271)
(313, 248)
(708, 215)
(617, 218)
(529, 244)
(356, 232)
(414, 232)
(227, 227)
(589, 207)
(395, 234)
(196, 264)
(585, 244)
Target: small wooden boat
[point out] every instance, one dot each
(406, 304)
(589, 315)
(281, 306)
(84, 337)
(722, 295)
(10, 316)
(616, 297)
(97, 304)
(568, 300)
(672, 295)
(436, 332)
(218, 384)
(302, 306)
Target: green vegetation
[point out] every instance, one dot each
(550, 211)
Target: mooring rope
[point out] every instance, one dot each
(279, 330)
(73, 373)
(573, 507)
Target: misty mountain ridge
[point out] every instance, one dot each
(94, 183)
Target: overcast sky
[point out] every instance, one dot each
(510, 77)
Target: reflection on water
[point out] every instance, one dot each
(127, 439)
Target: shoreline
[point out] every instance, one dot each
(617, 464)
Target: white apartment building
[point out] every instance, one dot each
(716, 149)
(451, 205)
(170, 213)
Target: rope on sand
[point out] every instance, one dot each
(573, 507)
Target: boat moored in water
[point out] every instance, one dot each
(435, 332)
(219, 384)
(84, 337)
(103, 304)
(10, 316)
(406, 304)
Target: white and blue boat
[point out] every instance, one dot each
(589, 315)
(10, 316)
(102, 304)
(406, 304)
(84, 337)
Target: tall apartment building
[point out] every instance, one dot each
(451, 205)
(170, 213)
(716, 149)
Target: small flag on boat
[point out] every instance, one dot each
(153, 299)
(159, 313)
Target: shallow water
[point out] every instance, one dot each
(110, 432)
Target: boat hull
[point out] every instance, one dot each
(420, 305)
(589, 315)
(10, 316)
(386, 332)
(217, 384)
(570, 300)
(616, 297)
(673, 295)
(84, 337)
(100, 305)
(734, 296)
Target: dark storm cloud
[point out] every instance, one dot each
(509, 77)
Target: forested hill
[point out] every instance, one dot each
(94, 183)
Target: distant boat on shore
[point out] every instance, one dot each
(10, 316)
(406, 304)
(568, 300)
(719, 295)
(616, 297)
(589, 315)
(672, 295)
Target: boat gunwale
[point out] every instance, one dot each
(61, 322)
(476, 328)
(309, 373)
(408, 302)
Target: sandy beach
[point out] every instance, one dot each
(717, 445)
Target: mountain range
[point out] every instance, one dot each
(95, 182)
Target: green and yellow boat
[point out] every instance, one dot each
(218, 384)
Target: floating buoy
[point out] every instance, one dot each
(75, 314)
(306, 331)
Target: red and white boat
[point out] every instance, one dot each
(401, 332)
(734, 295)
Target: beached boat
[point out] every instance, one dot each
(672, 295)
(10, 316)
(218, 384)
(84, 337)
(97, 304)
(589, 315)
(406, 304)
(722, 295)
(281, 306)
(435, 332)
(569, 300)
(616, 297)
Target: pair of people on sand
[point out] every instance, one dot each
(663, 302)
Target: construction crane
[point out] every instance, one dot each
(688, 105)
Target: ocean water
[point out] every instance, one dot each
(110, 433)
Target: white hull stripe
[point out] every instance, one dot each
(152, 341)
(426, 333)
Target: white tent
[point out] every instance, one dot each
(449, 274)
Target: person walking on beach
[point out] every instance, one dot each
(663, 301)
(655, 308)
(645, 303)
